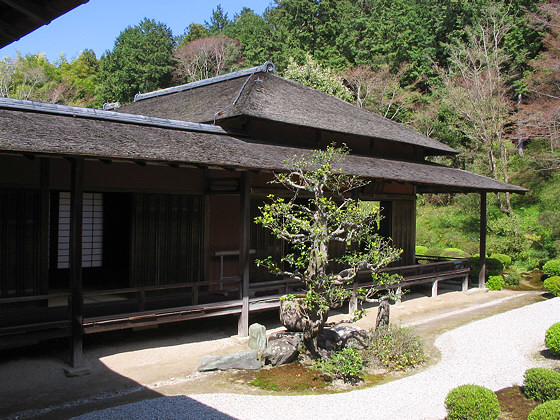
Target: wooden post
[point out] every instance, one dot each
(44, 229)
(76, 295)
(435, 288)
(483, 221)
(244, 238)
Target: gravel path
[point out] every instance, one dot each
(493, 352)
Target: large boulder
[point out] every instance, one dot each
(257, 337)
(245, 359)
(329, 340)
(282, 348)
(351, 336)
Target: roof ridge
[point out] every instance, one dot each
(91, 113)
(267, 67)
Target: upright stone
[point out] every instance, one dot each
(257, 337)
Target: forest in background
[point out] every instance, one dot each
(478, 75)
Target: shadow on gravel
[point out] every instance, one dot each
(165, 408)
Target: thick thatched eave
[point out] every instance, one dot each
(18, 18)
(61, 134)
(270, 97)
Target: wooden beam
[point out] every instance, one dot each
(44, 228)
(77, 297)
(30, 9)
(483, 223)
(244, 238)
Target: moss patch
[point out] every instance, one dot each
(290, 378)
(515, 406)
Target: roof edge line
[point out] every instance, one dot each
(267, 67)
(98, 114)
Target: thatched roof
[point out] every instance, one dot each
(48, 130)
(266, 96)
(18, 18)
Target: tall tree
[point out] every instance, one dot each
(141, 61)
(475, 87)
(206, 57)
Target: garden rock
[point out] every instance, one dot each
(246, 360)
(282, 348)
(350, 336)
(329, 340)
(257, 337)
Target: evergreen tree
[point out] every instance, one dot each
(141, 61)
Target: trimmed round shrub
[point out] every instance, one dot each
(421, 250)
(551, 268)
(552, 284)
(552, 338)
(549, 410)
(503, 258)
(541, 384)
(472, 402)
(495, 283)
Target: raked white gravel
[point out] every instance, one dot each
(493, 352)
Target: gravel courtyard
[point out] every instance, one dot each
(493, 352)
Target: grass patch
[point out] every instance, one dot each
(515, 406)
(289, 378)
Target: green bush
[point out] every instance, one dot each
(346, 364)
(493, 268)
(552, 338)
(549, 410)
(552, 284)
(395, 347)
(454, 253)
(503, 258)
(472, 402)
(542, 384)
(512, 277)
(495, 283)
(421, 250)
(551, 268)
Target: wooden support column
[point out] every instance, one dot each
(244, 238)
(483, 222)
(435, 288)
(44, 229)
(76, 292)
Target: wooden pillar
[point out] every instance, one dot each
(44, 229)
(483, 222)
(77, 298)
(244, 238)
(435, 288)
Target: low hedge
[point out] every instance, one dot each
(549, 410)
(552, 284)
(552, 338)
(493, 268)
(472, 402)
(541, 384)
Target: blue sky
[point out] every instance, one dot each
(96, 24)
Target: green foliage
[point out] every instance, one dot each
(421, 250)
(541, 384)
(503, 258)
(495, 283)
(310, 225)
(549, 410)
(472, 402)
(346, 364)
(454, 253)
(493, 268)
(312, 74)
(552, 338)
(141, 61)
(552, 268)
(395, 347)
(512, 277)
(552, 284)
